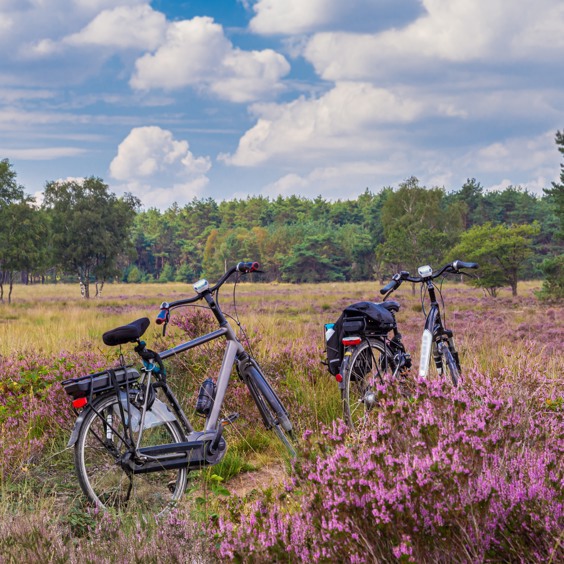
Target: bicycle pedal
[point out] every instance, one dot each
(229, 419)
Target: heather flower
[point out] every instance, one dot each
(470, 474)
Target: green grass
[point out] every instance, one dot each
(286, 322)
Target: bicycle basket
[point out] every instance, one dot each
(93, 384)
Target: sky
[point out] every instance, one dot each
(175, 100)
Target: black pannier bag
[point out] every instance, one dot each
(362, 318)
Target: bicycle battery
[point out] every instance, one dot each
(93, 384)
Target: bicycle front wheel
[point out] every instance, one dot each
(273, 412)
(362, 370)
(97, 454)
(449, 364)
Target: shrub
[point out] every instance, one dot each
(32, 409)
(167, 274)
(101, 538)
(134, 276)
(553, 284)
(447, 474)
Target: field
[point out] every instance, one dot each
(471, 474)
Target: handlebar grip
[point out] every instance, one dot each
(388, 287)
(163, 315)
(246, 267)
(458, 264)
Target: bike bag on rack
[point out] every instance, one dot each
(93, 384)
(371, 318)
(362, 318)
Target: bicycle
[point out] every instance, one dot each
(367, 353)
(132, 449)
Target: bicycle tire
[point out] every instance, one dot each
(105, 482)
(273, 412)
(361, 371)
(449, 364)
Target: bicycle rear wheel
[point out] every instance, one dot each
(100, 446)
(362, 370)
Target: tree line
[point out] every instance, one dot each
(83, 232)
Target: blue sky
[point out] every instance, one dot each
(172, 100)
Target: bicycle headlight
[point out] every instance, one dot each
(201, 286)
(425, 271)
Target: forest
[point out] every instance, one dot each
(83, 231)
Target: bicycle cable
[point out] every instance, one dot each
(236, 318)
(440, 292)
(422, 297)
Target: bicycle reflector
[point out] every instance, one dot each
(79, 402)
(351, 341)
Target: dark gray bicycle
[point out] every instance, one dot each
(133, 444)
(362, 350)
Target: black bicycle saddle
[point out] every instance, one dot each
(126, 333)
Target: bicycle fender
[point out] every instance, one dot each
(76, 428)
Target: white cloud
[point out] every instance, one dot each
(390, 87)
(343, 180)
(342, 120)
(6, 23)
(294, 17)
(531, 163)
(10, 95)
(191, 50)
(95, 6)
(249, 75)
(158, 168)
(124, 27)
(42, 153)
(155, 195)
(535, 157)
(290, 16)
(148, 151)
(37, 21)
(197, 53)
(44, 45)
(452, 31)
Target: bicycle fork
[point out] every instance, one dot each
(433, 340)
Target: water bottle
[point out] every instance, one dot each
(329, 331)
(206, 397)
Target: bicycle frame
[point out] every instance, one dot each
(195, 452)
(233, 349)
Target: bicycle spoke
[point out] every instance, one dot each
(102, 477)
(362, 370)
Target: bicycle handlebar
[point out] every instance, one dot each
(242, 267)
(403, 276)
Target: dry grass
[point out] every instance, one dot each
(501, 338)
